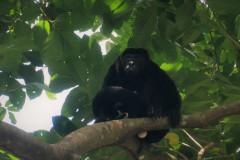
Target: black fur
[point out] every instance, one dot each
(136, 86)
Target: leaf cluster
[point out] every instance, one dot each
(196, 42)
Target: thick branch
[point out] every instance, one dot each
(98, 135)
(23, 144)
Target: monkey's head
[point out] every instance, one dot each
(133, 61)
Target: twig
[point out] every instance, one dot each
(179, 154)
(191, 138)
(203, 150)
(171, 150)
(187, 145)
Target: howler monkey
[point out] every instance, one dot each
(136, 86)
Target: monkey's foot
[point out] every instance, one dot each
(121, 115)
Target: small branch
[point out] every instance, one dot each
(191, 138)
(173, 151)
(44, 14)
(187, 145)
(203, 150)
(179, 154)
(98, 135)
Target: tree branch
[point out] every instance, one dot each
(203, 150)
(98, 135)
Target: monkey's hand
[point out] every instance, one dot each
(121, 115)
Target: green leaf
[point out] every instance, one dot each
(232, 120)
(171, 66)
(12, 118)
(121, 10)
(59, 84)
(33, 92)
(114, 152)
(53, 47)
(228, 68)
(202, 28)
(107, 26)
(8, 104)
(99, 71)
(196, 104)
(184, 15)
(230, 52)
(7, 6)
(163, 45)
(190, 36)
(13, 109)
(113, 4)
(144, 26)
(73, 5)
(77, 59)
(16, 94)
(30, 10)
(9, 61)
(81, 119)
(41, 86)
(6, 155)
(10, 53)
(223, 8)
(192, 87)
(34, 57)
(4, 81)
(124, 8)
(95, 54)
(72, 43)
(51, 95)
(237, 26)
(62, 125)
(40, 33)
(172, 31)
(88, 6)
(52, 11)
(2, 113)
(74, 21)
(54, 56)
(162, 23)
(76, 101)
(100, 7)
(231, 92)
(22, 44)
(30, 76)
(22, 29)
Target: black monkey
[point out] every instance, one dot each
(136, 86)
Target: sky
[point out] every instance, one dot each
(37, 114)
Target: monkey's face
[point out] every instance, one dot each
(133, 64)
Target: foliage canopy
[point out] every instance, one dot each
(196, 42)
